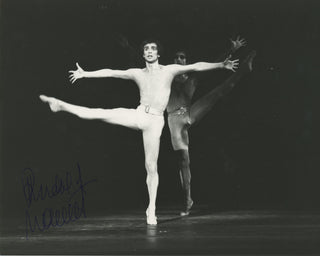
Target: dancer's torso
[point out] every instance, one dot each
(182, 90)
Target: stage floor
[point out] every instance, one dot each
(203, 232)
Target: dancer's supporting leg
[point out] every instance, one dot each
(151, 147)
(178, 125)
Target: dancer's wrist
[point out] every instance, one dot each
(85, 74)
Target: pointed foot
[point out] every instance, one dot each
(54, 103)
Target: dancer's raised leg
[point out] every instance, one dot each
(202, 106)
(118, 116)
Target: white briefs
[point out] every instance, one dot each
(149, 120)
(144, 118)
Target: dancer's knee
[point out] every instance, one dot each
(184, 158)
(151, 167)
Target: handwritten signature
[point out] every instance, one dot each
(73, 210)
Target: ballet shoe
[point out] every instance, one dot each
(53, 102)
(151, 218)
(186, 212)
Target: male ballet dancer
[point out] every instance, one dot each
(154, 83)
(182, 113)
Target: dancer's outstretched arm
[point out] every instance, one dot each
(204, 66)
(80, 73)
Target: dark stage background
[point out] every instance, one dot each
(258, 148)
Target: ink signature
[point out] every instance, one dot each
(72, 210)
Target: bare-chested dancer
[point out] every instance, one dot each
(182, 113)
(154, 83)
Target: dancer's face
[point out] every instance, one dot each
(180, 58)
(150, 52)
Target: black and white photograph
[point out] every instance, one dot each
(159, 127)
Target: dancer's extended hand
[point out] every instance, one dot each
(76, 74)
(238, 43)
(231, 64)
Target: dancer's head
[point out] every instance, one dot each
(180, 57)
(151, 50)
